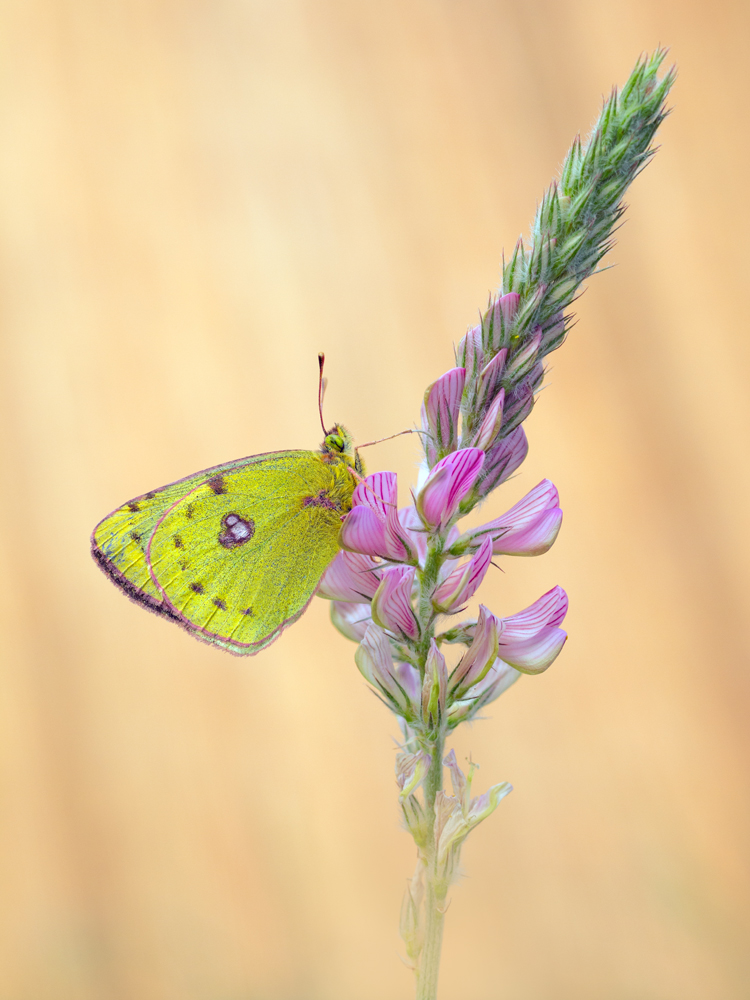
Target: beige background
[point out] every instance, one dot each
(195, 198)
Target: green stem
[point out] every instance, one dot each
(429, 964)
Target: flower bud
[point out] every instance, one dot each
(461, 585)
(490, 379)
(498, 320)
(503, 457)
(479, 657)
(491, 423)
(440, 412)
(518, 405)
(470, 354)
(434, 686)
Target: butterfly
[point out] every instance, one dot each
(235, 553)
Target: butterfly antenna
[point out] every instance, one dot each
(322, 383)
(389, 438)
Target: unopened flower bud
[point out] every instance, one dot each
(434, 686)
(479, 657)
(497, 321)
(461, 585)
(491, 423)
(523, 360)
(440, 412)
(503, 457)
(470, 354)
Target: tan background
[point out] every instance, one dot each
(195, 198)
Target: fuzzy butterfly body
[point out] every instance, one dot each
(234, 554)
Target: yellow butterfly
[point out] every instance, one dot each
(234, 553)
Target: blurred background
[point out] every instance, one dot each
(195, 198)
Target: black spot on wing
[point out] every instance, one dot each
(217, 484)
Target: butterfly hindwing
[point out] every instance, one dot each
(235, 553)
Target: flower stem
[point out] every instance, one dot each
(429, 965)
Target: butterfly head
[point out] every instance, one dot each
(339, 442)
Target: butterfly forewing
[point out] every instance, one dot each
(236, 557)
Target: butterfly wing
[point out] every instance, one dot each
(233, 554)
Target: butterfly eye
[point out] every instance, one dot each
(335, 442)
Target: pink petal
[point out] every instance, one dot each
(352, 620)
(391, 605)
(449, 482)
(549, 610)
(535, 654)
(372, 526)
(350, 577)
(378, 491)
(528, 528)
(535, 540)
(363, 531)
(375, 662)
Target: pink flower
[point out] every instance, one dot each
(391, 605)
(480, 656)
(352, 620)
(502, 459)
(372, 526)
(350, 577)
(440, 411)
(446, 486)
(530, 640)
(461, 585)
(528, 529)
(375, 661)
(411, 770)
(498, 679)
